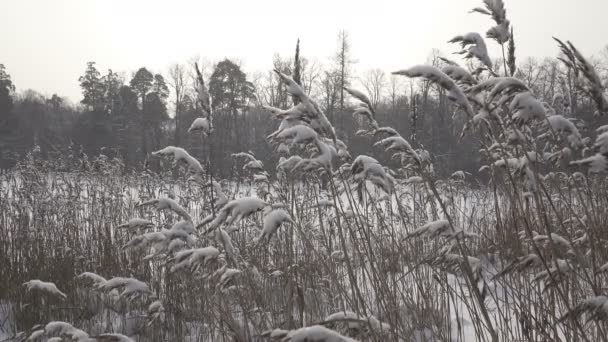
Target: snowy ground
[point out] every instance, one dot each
(468, 204)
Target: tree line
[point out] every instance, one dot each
(128, 118)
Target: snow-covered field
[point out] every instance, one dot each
(325, 245)
(75, 219)
(80, 196)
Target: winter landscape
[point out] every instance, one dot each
(457, 198)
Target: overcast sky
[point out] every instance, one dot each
(45, 44)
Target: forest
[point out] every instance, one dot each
(127, 117)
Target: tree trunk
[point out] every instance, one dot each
(176, 136)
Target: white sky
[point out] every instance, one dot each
(45, 44)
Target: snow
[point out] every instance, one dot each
(179, 154)
(165, 203)
(476, 47)
(414, 180)
(178, 224)
(359, 95)
(432, 229)
(165, 239)
(366, 172)
(155, 306)
(435, 75)
(219, 196)
(363, 111)
(298, 111)
(520, 264)
(386, 130)
(560, 266)
(272, 222)
(292, 87)
(200, 125)
(601, 143)
(136, 223)
(278, 333)
(602, 129)
(525, 107)
(290, 163)
(500, 32)
(298, 134)
(95, 278)
(283, 148)
(115, 338)
(459, 74)
(226, 241)
(227, 276)
(236, 210)
(316, 333)
(260, 178)
(396, 143)
(368, 168)
(561, 124)
(558, 240)
(194, 258)
(183, 226)
(327, 154)
(314, 114)
(496, 8)
(63, 328)
(499, 85)
(45, 287)
(459, 175)
(130, 286)
(596, 163)
(325, 203)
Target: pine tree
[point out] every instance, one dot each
(6, 107)
(93, 91)
(297, 70)
(343, 61)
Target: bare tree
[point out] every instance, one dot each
(549, 78)
(311, 74)
(604, 65)
(414, 110)
(330, 88)
(529, 71)
(178, 82)
(344, 62)
(280, 95)
(394, 91)
(374, 82)
(259, 82)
